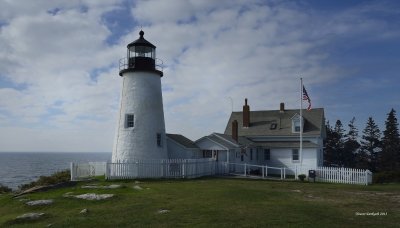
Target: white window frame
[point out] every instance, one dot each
(298, 155)
(296, 121)
(127, 125)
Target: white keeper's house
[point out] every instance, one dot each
(269, 137)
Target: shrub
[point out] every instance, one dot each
(4, 189)
(302, 177)
(386, 177)
(56, 178)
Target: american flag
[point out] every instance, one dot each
(306, 98)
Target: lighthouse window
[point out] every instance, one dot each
(159, 141)
(129, 121)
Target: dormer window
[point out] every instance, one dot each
(296, 123)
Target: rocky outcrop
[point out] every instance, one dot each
(45, 188)
(30, 216)
(113, 186)
(39, 202)
(94, 196)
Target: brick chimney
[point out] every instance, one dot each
(282, 108)
(246, 114)
(235, 130)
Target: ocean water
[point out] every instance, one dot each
(22, 168)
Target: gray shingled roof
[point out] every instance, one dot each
(285, 144)
(183, 141)
(241, 140)
(221, 142)
(260, 123)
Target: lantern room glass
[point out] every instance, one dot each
(141, 51)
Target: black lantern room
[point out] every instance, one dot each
(141, 56)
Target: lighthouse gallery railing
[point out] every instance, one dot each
(124, 64)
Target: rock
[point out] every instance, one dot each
(113, 186)
(30, 216)
(30, 190)
(39, 202)
(137, 187)
(68, 194)
(162, 211)
(84, 211)
(23, 200)
(45, 188)
(296, 191)
(90, 186)
(94, 196)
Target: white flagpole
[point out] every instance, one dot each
(301, 122)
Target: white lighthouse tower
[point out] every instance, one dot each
(140, 133)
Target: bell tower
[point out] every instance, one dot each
(140, 131)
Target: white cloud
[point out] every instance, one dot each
(55, 57)
(59, 55)
(230, 52)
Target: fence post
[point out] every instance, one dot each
(183, 168)
(284, 173)
(72, 171)
(107, 171)
(245, 169)
(370, 176)
(263, 171)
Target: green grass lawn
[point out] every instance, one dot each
(213, 202)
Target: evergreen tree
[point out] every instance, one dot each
(334, 145)
(329, 143)
(367, 157)
(351, 145)
(390, 157)
(338, 133)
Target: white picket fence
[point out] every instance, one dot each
(169, 168)
(337, 175)
(344, 175)
(323, 174)
(87, 170)
(193, 168)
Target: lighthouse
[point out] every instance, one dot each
(140, 131)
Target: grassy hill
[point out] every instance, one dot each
(211, 202)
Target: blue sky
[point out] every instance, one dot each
(59, 83)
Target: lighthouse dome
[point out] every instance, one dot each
(141, 41)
